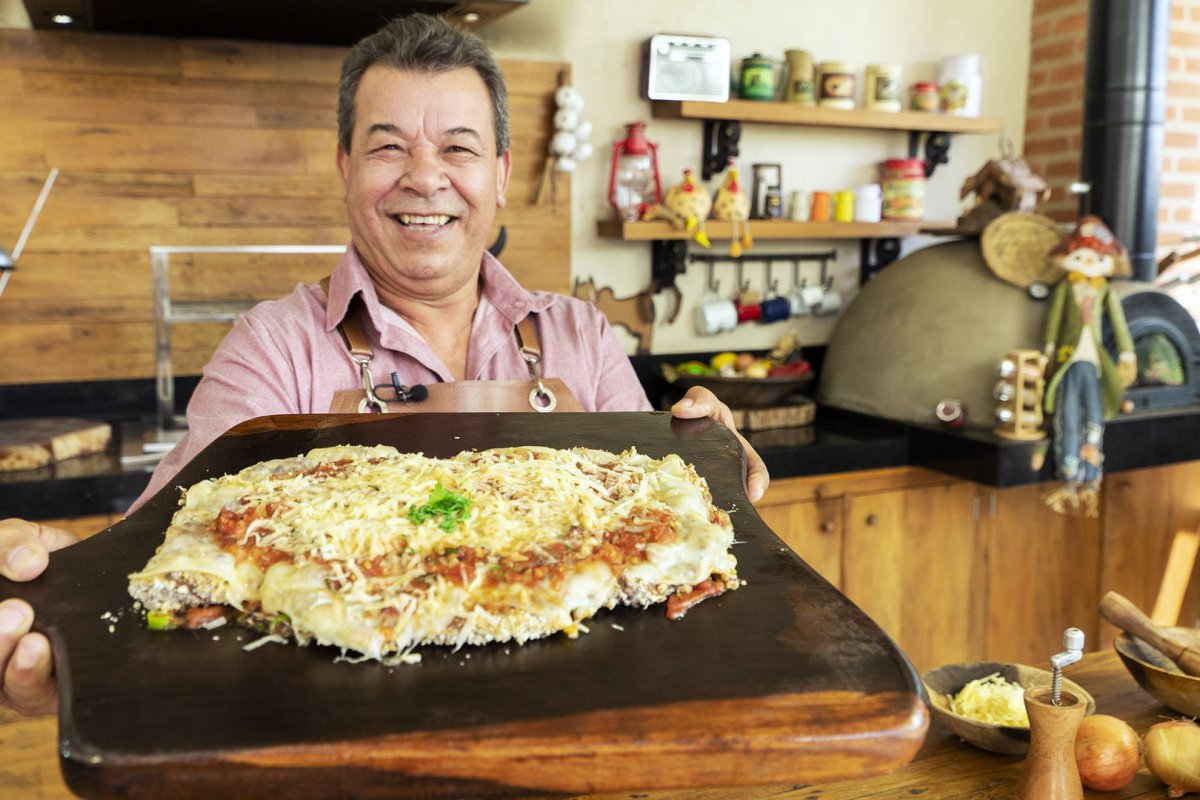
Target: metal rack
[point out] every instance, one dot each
(168, 312)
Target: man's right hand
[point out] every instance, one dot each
(26, 668)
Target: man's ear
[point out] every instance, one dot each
(504, 168)
(342, 164)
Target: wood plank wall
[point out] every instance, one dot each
(194, 142)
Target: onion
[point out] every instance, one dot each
(1173, 755)
(1107, 752)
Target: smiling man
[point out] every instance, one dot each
(424, 158)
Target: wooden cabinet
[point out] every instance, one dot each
(912, 561)
(955, 571)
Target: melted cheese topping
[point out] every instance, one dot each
(547, 538)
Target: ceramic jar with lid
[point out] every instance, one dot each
(882, 87)
(837, 84)
(961, 85)
(758, 78)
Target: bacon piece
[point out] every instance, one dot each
(679, 603)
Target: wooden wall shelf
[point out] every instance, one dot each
(767, 229)
(792, 114)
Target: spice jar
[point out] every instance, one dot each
(843, 206)
(881, 89)
(868, 201)
(903, 189)
(837, 84)
(822, 207)
(925, 96)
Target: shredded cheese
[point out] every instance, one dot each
(992, 699)
(352, 565)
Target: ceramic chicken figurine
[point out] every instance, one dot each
(1085, 387)
(686, 206)
(732, 204)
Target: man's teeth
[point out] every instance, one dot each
(423, 219)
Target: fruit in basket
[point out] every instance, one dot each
(722, 361)
(693, 368)
(792, 369)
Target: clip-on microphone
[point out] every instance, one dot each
(408, 394)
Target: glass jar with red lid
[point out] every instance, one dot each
(903, 181)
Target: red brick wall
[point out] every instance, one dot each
(1054, 112)
(1177, 213)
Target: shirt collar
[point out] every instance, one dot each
(350, 277)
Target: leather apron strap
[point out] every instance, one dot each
(538, 394)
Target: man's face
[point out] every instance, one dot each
(423, 179)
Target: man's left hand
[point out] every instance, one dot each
(700, 402)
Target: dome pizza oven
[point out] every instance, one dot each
(935, 324)
(1167, 343)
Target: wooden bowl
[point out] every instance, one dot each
(950, 679)
(1158, 675)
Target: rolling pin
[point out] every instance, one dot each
(1118, 610)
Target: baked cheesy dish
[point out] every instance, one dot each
(378, 552)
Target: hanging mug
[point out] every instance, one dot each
(798, 305)
(775, 309)
(830, 302)
(716, 315)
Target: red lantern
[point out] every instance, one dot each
(633, 182)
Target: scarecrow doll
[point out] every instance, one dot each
(1085, 386)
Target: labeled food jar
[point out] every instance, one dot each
(882, 89)
(903, 189)
(758, 78)
(837, 84)
(925, 96)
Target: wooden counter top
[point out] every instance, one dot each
(944, 768)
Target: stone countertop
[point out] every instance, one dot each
(107, 483)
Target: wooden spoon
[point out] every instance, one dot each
(1118, 610)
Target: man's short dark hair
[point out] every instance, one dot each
(421, 43)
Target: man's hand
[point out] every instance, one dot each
(26, 680)
(700, 402)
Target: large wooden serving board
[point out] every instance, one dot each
(781, 680)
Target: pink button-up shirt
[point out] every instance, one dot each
(287, 356)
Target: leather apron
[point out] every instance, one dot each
(536, 394)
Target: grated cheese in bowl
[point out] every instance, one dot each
(991, 699)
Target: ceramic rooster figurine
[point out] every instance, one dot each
(686, 206)
(732, 205)
(1085, 386)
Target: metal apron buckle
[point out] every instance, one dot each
(541, 399)
(369, 397)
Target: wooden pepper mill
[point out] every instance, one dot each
(1049, 771)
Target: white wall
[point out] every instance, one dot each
(602, 40)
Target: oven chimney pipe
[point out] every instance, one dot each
(1125, 97)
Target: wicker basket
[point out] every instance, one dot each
(1016, 245)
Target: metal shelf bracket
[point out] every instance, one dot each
(937, 149)
(720, 144)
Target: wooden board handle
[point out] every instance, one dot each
(1118, 610)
